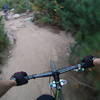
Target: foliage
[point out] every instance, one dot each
(19, 5)
(72, 14)
(90, 46)
(3, 40)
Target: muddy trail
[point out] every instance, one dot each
(32, 50)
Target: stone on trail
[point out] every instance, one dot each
(16, 16)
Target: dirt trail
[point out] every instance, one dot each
(32, 52)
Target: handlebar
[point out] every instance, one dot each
(51, 73)
(55, 74)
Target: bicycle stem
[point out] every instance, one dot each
(57, 80)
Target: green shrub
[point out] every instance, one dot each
(73, 14)
(90, 46)
(21, 7)
(3, 40)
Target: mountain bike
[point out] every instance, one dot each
(57, 84)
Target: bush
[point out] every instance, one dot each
(72, 14)
(3, 40)
(89, 47)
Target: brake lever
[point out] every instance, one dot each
(80, 68)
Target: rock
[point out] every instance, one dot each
(12, 10)
(16, 16)
(28, 19)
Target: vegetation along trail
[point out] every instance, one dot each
(34, 48)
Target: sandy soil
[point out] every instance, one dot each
(34, 48)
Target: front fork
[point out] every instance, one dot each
(58, 95)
